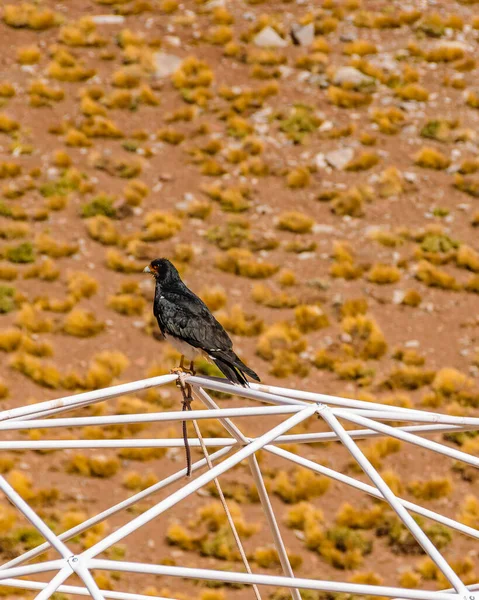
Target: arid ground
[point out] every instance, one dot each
(312, 169)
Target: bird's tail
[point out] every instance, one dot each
(233, 368)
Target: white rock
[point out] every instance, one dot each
(351, 76)
(450, 45)
(166, 64)
(320, 161)
(338, 159)
(303, 35)
(410, 177)
(108, 19)
(412, 344)
(269, 38)
(398, 296)
(173, 40)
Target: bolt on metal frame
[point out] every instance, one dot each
(293, 407)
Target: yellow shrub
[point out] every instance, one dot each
(295, 222)
(412, 91)
(103, 368)
(214, 297)
(430, 490)
(160, 226)
(96, 465)
(349, 516)
(280, 337)
(10, 339)
(30, 318)
(51, 247)
(347, 98)
(298, 178)
(430, 158)
(28, 55)
(44, 374)
(310, 317)
(136, 482)
(434, 277)
(80, 323)
(469, 514)
(81, 284)
(239, 323)
(363, 162)
(242, 262)
(360, 47)
(382, 274)
(262, 294)
(468, 258)
(367, 338)
(449, 381)
(30, 16)
(126, 304)
(300, 484)
(409, 378)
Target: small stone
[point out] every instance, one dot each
(269, 38)
(166, 64)
(338, 159)
(320, 161)
(352, 77)
(410, 177)
(398, 296)
(303, 35)
(412, 344)
(108, 19)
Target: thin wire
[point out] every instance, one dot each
(227, 510)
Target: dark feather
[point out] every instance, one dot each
(180, 313)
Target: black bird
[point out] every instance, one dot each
(187, 323)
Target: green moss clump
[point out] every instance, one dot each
(7, 299)
(100, 205)
(401, 540)
(299, 123)
(436, 129)
(23, 253)
(68, 182)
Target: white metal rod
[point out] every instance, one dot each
(230, 427)
(34, 519)
(245, 392)
(260, 579)
(330, 436)
(307, 438)
(149, 417)
(398, 508)
(88, 397)
(272, 523)
(51, 565)
(372, 491)
(196, 484)
(55, 583)
(88, 580)
(262, 492)
(66, 535)
(416, 416)
(80, 591)
(413, 439)
(331, 400)
(118, 443)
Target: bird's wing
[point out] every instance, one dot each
(186, 317)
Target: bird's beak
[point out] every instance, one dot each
(147, 269)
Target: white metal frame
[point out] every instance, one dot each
(294, 407)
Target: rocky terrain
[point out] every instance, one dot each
(312, 169)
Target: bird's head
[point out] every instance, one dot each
(162, 270)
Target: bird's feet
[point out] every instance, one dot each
(182, 371)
